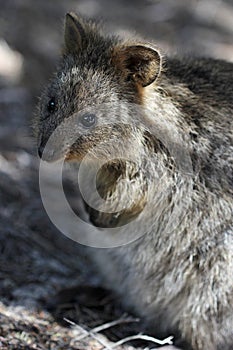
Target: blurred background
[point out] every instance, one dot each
(36, 261)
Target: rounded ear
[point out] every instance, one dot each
(74, 33)
(140, 63)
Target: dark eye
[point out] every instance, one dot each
(88, 120)
(51, 105)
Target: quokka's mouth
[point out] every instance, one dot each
(55, 152)
(68, 155)
(52, 155)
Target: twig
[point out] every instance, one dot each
(79, 327)
(102, 327)
(94, 334)
(101, 341)
(167, 341)
(114, 323)
(88, 334)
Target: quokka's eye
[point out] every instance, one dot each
(51, 105)
(88, 120)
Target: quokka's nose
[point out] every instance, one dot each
(40, 151)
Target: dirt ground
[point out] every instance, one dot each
(37, 261)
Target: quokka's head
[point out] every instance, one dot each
(90, 98)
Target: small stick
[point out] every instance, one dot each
(167, 341)
(102, 327)
(114, 323)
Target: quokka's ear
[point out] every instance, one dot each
(140, 63)
(74, 33)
